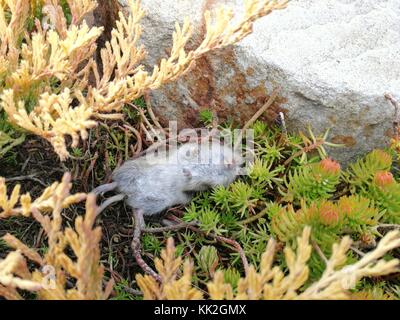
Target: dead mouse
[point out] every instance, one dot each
(161, 179)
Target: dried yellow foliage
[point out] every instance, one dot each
(52, 66)
(59, 276)
(270, 282)
(14, 274)
(372, 294)
(79, 8)
(45, 203)
(171, 287)
(51, 278)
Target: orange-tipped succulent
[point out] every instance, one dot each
(329, 214)
(329, 165)
(383, 178)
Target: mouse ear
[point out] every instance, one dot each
(187, 173)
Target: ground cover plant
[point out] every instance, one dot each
(298, 226)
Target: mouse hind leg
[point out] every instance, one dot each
(137, 247)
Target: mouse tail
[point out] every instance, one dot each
(104, 188)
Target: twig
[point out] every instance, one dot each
(90, 169)
(136, 245)
(238, 248)
(139, 143)
(254, 218)
(258, 114)
(151, 113)
(25, 163)
(319, 251)
(396, 106)
(183, 225)
(126, 136)
(147, 133)
(359, 252)
(305, 149)
(146, 121)
(231, 242)
(28, 177)
(132, 291)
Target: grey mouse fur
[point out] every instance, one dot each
(157, 181)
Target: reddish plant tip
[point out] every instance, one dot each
(383, 178)
(329, 217)
(346, 209)
(329, 165)
(329, 214)
(367, 238)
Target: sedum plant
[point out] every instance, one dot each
(330, 220)
(281, 232)
(313, 181)
(271, 282)
(361, 174)
(280, 198)
(385, 190)
(246, 241)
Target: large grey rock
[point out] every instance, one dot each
(333, 59)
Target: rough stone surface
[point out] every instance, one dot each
(333, 59)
